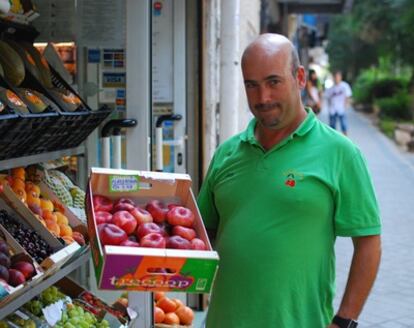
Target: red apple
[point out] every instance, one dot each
(187, 233)
(110, 234)
(103, 217)
(153, 240)
(141, 215)
(16, 278)
(147, 228)
(158, 210)
(102, 203)
(123, 204)
(171, 206)
(129, 243)
(26, 268)
(180, 216)
(79, 238)
(36, 209)
(178, 242)
(198, 244)
(125, 221)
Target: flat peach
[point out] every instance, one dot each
(65, 230)
(61, 218)
(46, 204)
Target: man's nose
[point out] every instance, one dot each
(264, 95)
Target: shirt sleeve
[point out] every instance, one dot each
(348, 90)
(356, 207)
(205, 200)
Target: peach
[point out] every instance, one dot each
(18, 184)
(46, 204)
(53, 227)
(65, 230)
(32, 188)
(21, 194)
(18, 172)
(61, 218)
(31, 199)
(68, 240)
(49, 215)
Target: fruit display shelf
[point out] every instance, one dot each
(42, 285)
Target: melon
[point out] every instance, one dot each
(41, 64)
(27, 58)
(12, 64)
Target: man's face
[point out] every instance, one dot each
(338, 77)
(273, 91)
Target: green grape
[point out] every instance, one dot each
(69, 325)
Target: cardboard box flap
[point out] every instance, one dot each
(120, 183)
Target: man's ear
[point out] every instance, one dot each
(301, 77)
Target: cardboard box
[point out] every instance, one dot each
(9, 292)
(132, 268)
(26, 217)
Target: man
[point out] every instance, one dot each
(338, 97)
(277, 195)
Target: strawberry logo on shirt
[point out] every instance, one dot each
(290, 180)
(292, 177)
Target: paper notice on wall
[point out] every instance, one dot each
(102, 23)
(162, 52)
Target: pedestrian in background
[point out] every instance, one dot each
(339, 99)
(312, 96)
(276, 196)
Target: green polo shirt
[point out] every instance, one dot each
(277, 214)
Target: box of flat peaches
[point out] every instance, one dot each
(146, 232)
(39, 210)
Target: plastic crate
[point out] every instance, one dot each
(7, 123)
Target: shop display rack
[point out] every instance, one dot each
(38, 288)
(30, 138)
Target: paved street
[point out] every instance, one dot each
(391, 303)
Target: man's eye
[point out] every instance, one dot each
(273, 82)
(249, 85)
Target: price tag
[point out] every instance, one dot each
(123, 183)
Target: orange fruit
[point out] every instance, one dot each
(159, 315)
(61, 218)
(185, 314)
(167, 304)
(32, 188)
(171, 319)
(49, 215)
(177, 302)
(53, 227)
(18, 172)
(46, 204)
(158, 296)
(18, 183)
(65, 230)
(68, 240)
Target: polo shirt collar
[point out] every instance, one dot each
(307, 124)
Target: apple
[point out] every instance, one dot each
(26, 268)
(180, 216)
(4, 248)
(158, 210)
(16, 278)
(4, 273)
(125, 221)
(187, 233)
(147, 228)
(153, 240)
(178, 242)
(123, 204)
(102, 203)
(4, 260)
(111, 234)
(103, 217)
(129, 243)
(141, 215)
(78, 237)
(198, 244)
(171, 206)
